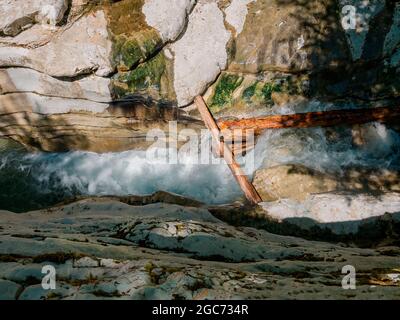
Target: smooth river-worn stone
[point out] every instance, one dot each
(16, 16)
(172, 251)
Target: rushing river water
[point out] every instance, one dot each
(36, 180)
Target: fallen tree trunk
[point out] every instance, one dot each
(314, 119)
(248, 189)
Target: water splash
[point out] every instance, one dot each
(42, 179)
(36, 180)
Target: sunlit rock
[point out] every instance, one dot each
(201, 53)
(70, 53)
(168, 17)
(16, 16)
(342, 213)
(25, 81)
(291, 181)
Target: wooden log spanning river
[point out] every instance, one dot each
(314, 119)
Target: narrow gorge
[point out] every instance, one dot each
(88, 87)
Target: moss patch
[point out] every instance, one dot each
(223, 94)
(134, 41)
(130, 51)
(148, 74)
(238, 94)
(249, 92)
(152, 78)
(268, 89)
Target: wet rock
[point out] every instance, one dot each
(104, 132)
(343, 213)
(282, 99)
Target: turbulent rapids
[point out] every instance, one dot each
(36, 180)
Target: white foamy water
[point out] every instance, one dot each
(128, 173)
(62, 175)
(329, 151)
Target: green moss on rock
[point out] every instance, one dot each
(148, 74)
(223, 94)
(129, 52)
(268, 89)
(241, 94)
(152, 78)
(249, 92)
(134, 41)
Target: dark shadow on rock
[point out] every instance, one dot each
(371, 232)
(340, 77)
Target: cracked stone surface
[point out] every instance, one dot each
(242, 56)
(23, 80)
(70, 53)
(106, 249)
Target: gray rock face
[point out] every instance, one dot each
(169, 18)
(289, 36)
(8, 290)
(24, 81)
(240, 55)
(16, 16)
(32, 102)
(200, 54)
(111, 250)
(69, 53)
(342, 213)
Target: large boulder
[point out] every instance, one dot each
(341, 213)
(291, 181)
(200, 54)
(298, 182)
(289, 36)
(69, 53)
(276, 46)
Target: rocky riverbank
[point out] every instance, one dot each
(82, 82)
(105, 248)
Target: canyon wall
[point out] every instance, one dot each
(94, 75)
